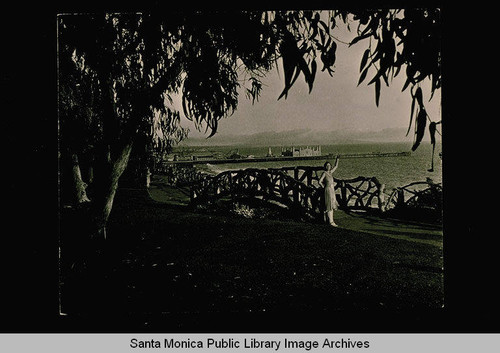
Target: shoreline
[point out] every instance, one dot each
(286, 158)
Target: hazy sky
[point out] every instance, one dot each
(334, 103)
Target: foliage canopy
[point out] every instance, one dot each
(118, 73)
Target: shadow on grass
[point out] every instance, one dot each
(164, 260)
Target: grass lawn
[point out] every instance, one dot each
(164, 260)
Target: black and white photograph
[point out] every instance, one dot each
(250, 164)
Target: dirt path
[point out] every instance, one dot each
(404, 230)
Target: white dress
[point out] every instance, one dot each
(330, 198)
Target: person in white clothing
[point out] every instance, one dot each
(326, 181)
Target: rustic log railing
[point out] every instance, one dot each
(356, 193)
(418, 195)
(180, 176)
(295, 187)
(298, 188)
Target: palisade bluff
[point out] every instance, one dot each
(252, 343)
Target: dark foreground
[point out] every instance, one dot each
(166, 265)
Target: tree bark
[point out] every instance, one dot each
(80, 185)
(107, 190)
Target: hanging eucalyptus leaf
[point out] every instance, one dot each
(418, 97)
(420, 124)
(363, 76)
(364, 59)
(432, 132)
(357, 39)
(411, 115)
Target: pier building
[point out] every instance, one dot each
(301, 151)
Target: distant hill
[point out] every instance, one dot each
(303, 137)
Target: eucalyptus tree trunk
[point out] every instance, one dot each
(107, 185)
(79, 184)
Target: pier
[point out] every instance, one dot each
(287, 158)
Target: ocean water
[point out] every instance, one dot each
(392, 171)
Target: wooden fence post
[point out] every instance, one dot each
(343, 195)
(231, 187)
(192, 194)
(401, 198)
(380, 197)
(309, 177)
(296, 200)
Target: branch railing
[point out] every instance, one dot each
(424, 195)
(298, 188)
(295, 187)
